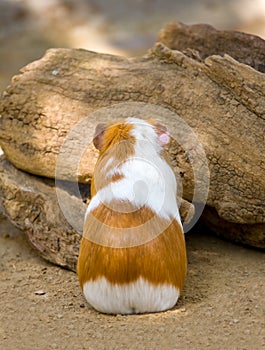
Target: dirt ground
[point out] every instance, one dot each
(222, 306)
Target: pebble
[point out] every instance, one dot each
(39, 292)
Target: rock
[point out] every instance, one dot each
(39, 292)
(222, 100)
(207, 41)
(247, 234)
(31, 204)
(52, 217)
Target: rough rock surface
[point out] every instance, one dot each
(30, 203)
(221, 99)
(207, 41)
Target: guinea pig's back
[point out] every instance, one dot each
(131, 261)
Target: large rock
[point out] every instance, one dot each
(221, 99)
(31, 204)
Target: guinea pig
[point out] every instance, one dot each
(132, 257)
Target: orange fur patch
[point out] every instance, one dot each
(118, 134)
(118, 144)
(160, 260)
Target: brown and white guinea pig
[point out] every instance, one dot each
(132, 257)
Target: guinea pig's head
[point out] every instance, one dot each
(130, 130)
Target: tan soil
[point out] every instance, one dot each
(222, 306)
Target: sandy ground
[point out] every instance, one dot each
(222, 306)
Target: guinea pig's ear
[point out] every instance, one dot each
(99, 135)
(162, 133)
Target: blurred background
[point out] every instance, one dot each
(29, 27)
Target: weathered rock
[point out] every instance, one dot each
(207, 41)
(34, 205)
(221, 99)
(247, 234)
(31, 204)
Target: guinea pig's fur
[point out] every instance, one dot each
(132, 257)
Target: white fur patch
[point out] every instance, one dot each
(143, 131)
(140, 296)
